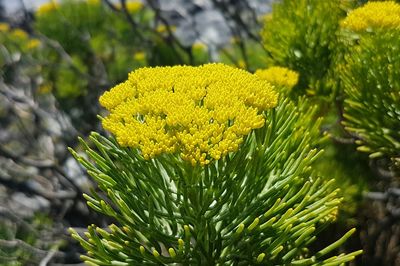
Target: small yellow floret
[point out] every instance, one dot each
(132, 6)
(139, 56)
(33, 44)
(279, 76)
(45, 88)
(20, 34)
(4, 27)
(202, 113)
(373, 15)
(163, 28)
(46, 8)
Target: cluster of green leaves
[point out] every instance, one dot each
(96, 38)
(370, 77)
(248, 54)
(305, 36)
(300, 35)
(262, 204)
(106, 43)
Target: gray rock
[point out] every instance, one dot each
(75, 172)
(26, 206)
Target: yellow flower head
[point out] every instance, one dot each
(202, 112)
(46, 8)
(4, 27)
(373, 15)
(20, 34)
(45, 88)
(139, 56)
(279, 76)
(132, 6)
(163, 29)
(32, 44)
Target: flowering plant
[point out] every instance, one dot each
(300, 35)
(370, 77)
(207, 167)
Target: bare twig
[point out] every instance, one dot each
(48, 257)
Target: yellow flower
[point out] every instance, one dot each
(45, 88)
(32, 44)
(4, 27)
(20, 34)
(139, 56)
(373, 15)
(279, 76)
(46, 8)
(162, 28)
(202, 113)
(132, 6)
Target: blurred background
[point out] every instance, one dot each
(58, 57)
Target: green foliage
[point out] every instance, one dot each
(96, 38)
(370, 76)
(105, 42)
(351, 173)
(300, 35)
(261, 204)
(248, 54)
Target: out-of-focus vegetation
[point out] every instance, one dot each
(301, 35)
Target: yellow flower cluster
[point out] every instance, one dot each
(279, 76)
(373, 15)
(46, 8)
(20, 34)
(163, 29)
(33, 44)
(4, 27)
(132, 6)
(139, 56)
(202, 112)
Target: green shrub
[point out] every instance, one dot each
(300, 35)
(94, 37)
(183, 191)
(370, 76)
